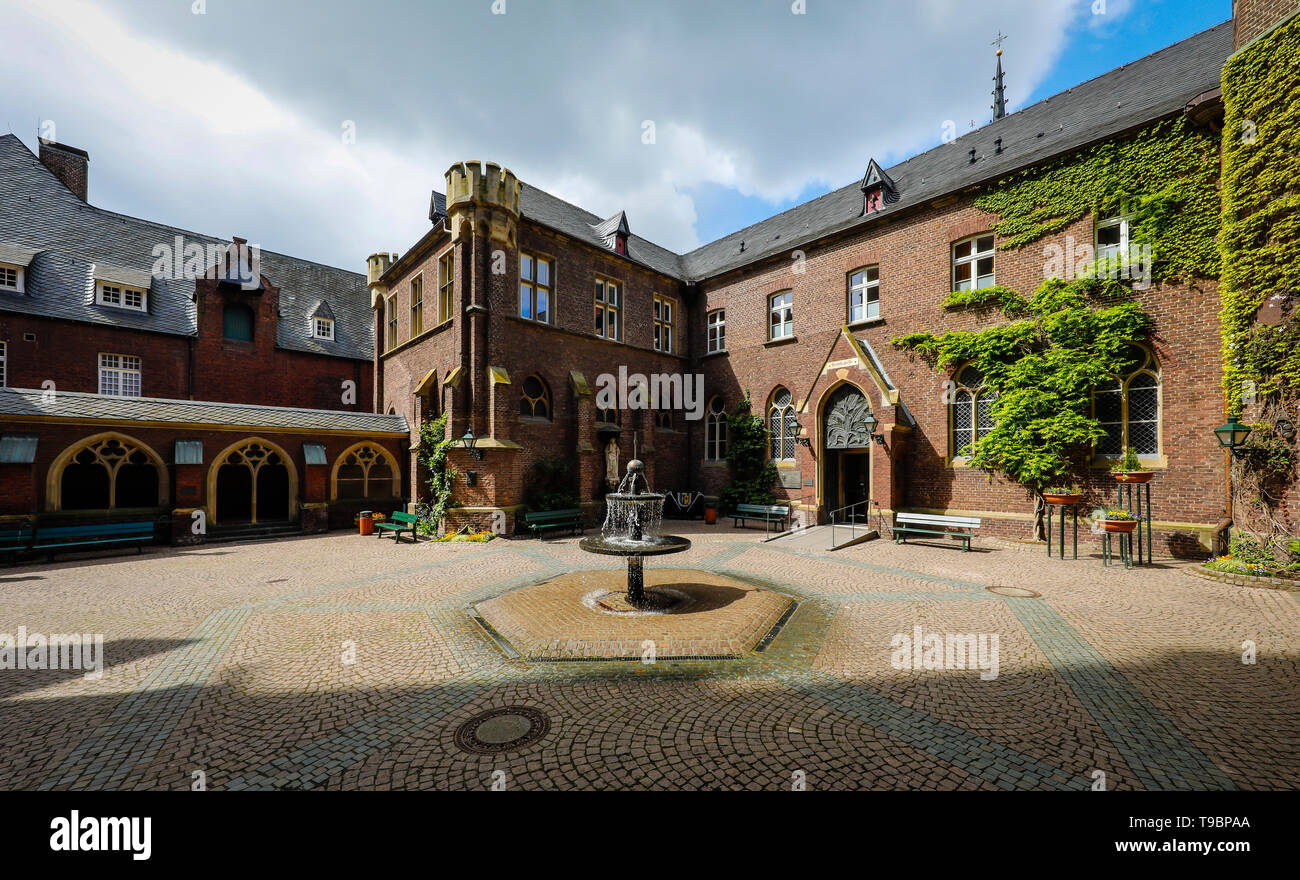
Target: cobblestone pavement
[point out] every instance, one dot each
(340, 662)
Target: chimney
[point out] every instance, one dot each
(70, 165)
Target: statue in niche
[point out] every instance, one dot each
(611, 464)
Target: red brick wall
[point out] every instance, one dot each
(1250, 18)
(914, 258)
(224, 370)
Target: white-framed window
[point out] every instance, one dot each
(864, 294)
(781, 425)
(11, 278)
(535, 285)
(119, 375)
(972, 263)
(715, 430)
(1129, 407)
(665, 322)
(717, 332)
(1112, 239)
(780, 310)
(4, 364)
(322, 328)
(122, 297)
(970, 414)
(609, 309)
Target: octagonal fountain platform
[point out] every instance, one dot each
(605, 614)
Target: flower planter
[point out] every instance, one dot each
(1073, 498)
(1133, 476)
(1119, 525)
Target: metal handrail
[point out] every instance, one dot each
(851, 518)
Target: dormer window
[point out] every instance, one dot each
(877, 189)
(11, 278)
(119, 296)
(614, 232)
(322, 328)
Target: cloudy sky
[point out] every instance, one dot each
(232, 117)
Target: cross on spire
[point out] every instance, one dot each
(999, 95)
(997, 41)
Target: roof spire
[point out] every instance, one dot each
(999, 96)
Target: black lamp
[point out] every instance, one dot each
(469, 441)
(1232, 435)
(803, 441)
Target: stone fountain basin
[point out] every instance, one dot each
(659, 546)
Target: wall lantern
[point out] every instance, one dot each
(869, 424)
(799, 438)
(469, 441)
(1232, 435)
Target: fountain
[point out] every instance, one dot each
(631, 530)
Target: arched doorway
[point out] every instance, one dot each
(846, 450)
(253, 481)
(106, 472)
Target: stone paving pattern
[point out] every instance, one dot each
(234, 660)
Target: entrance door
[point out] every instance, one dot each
(855, 480)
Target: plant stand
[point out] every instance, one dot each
(1125, 548)
(1139, 504)
(1074, 512)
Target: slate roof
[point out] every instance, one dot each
(1153, 87)
(19, 402)
(74, 243)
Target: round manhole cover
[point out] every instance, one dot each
(1015, 592)
(502, 730)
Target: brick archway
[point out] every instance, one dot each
(831, 447)
(253, 453)
(111, 450)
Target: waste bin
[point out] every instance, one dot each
(366, 522)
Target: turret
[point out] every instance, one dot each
(376, 266)
(486, 196)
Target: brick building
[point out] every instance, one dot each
(149, 371)
(507, 312)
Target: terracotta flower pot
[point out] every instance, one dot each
(1134, 476)
(1072, 498)
(1119, 525)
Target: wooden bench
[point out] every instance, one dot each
(569, 518)
(767, 513)
(67, 537)
(14, 541)
(397, 523)
(960, 527)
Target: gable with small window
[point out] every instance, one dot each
(664, 319)
(119, 375)
(322, 328)
(609, 309)
(972, 263)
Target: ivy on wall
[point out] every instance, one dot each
(1260, 234)
(1163, 176)
(1069, 337)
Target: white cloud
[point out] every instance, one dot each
(230, 123)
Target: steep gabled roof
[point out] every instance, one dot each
(74, 244)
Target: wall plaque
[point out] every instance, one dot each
(791, 479)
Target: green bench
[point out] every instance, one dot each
(569, 518)
(57, 538)
(962, 528)
(13, 541)
(766, 513)
(397, 523)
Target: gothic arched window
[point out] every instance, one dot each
(715, 430)
(781, 425)
(1128, 407)
(970, 414)
(535, 402)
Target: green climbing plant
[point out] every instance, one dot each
(1042, 364)
(752, 471)
(441, 475)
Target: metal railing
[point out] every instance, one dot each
(847, 517)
